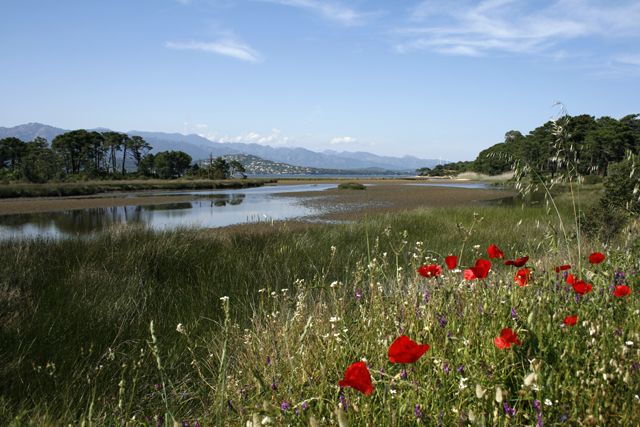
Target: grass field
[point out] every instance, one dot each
(261, 327)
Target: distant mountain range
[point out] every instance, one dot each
(199, 148)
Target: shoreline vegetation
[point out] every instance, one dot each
(201, 327)
(87, 188)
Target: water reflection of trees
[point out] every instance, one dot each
(224, 199)
(82, 221)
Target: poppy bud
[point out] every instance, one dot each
(531, 317)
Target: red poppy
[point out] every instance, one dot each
(480, 271)
(501, 343)
(404, 350)
(520, 262)
(494, 252)
(570, 279)
(562, 268)
(506, 338)
(570, 320)
(430, 270)
(451, 261)
(523, 277)
(596, 258)
(358, 377)
(581, 287)
(622, 290)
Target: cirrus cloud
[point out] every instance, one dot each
(225, 47)
(479, 28)
(333, 11)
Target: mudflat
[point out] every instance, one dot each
(385, 196)
(382, 196)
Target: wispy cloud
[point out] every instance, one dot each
(332, 11)
(228, 47)
(478, 28)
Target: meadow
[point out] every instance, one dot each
(197, 328)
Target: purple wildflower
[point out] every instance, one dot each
(417, 412)
(443, 321)
(514, 314)
(358, 294)
(403, 374)
(445, 367)
(536, 406)
(509, 411)
(344, 402)
(284, 405)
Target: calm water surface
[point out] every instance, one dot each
(217, 208)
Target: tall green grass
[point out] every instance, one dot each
(76, 316)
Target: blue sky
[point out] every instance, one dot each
(425, 78)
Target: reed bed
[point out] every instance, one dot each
(97, 187)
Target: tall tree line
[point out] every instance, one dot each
(94, 154)
(597, 143)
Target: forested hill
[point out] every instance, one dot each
(597, 143)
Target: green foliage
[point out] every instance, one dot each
(618, 206)
(351, 186)
(596, 143)
(448, 169)
(92, 154)
(171, 164)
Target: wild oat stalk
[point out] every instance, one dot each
(223, 359)
(154, 348)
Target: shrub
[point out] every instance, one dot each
(351, 186)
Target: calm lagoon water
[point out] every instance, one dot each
(206, 209)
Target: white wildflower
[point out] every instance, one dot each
(548, 402)
(180, 328)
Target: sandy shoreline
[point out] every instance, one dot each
(384, 196)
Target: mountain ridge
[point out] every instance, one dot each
(199, 147)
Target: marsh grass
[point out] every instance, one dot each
(303, 306)
(97, 187)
